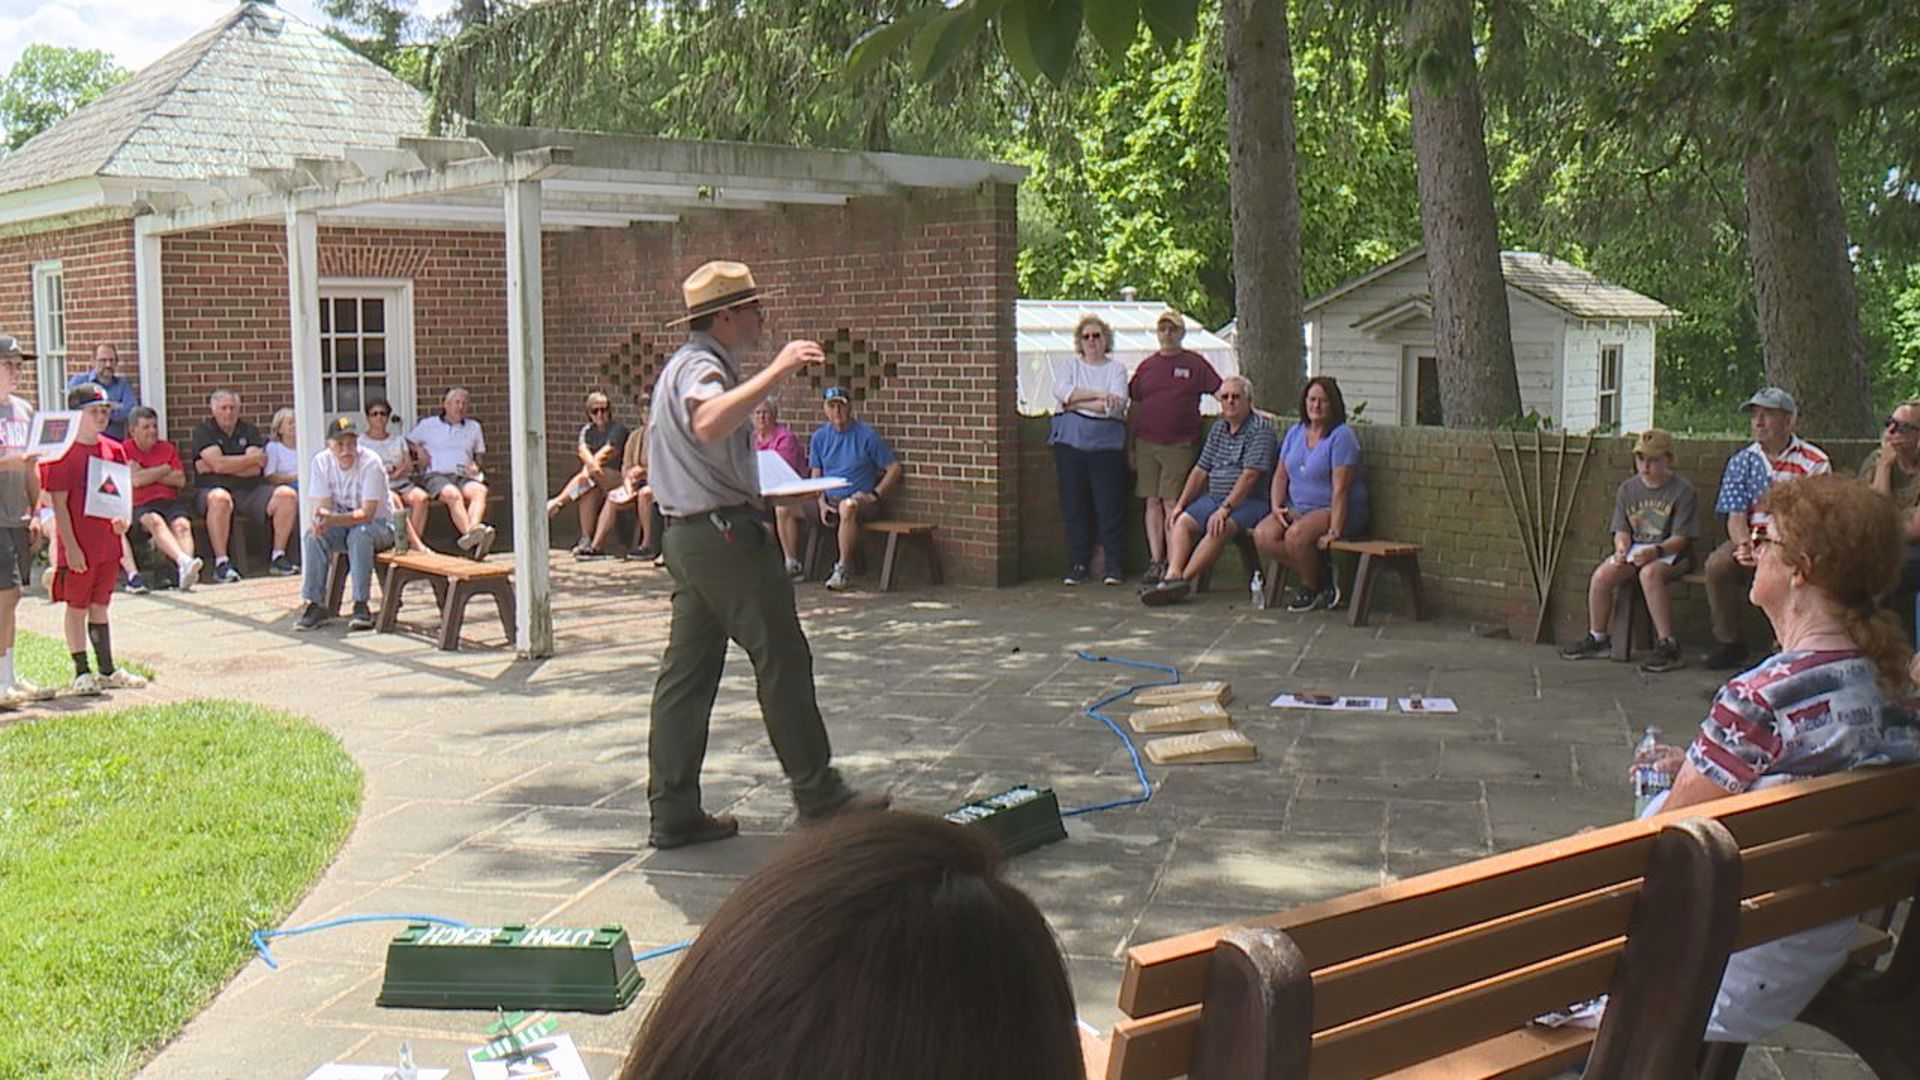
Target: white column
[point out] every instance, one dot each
(527, 392)
(150, 325)
(303, 310)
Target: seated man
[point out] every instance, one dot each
(601, 437)
(1776, 455)
(452, 443)
(1235, 472)
(846, 448)
(159, 477)
(1655, 521)
(1893, 470)
(351, 513)
(230, 464)
(632, 494)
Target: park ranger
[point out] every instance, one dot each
(728, 578)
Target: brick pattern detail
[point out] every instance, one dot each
(96, 264)
(853, 364)
(627, 373)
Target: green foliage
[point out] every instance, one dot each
(50, 81)
(384, 31)
(138, 849)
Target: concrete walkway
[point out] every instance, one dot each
(505, 790)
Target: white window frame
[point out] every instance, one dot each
(1608, 398)
(401, 379)
(50, 333)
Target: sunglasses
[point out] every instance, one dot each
(1901, 426)
(378, 412)
(1094, 336)
(596, 410)
(1230, 397)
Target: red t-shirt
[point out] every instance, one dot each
(160, 453)
(1166, 391)
(69, 474)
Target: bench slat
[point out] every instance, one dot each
(1530, 1053)
(447, 566)
(1783, 863)
(904, 528)
(1381, 548)
(1808, 906)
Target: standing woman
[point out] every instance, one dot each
(1089, 440)
(1317, 495)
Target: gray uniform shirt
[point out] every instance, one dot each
(690, 477)
(16, 420)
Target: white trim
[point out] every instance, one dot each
(303, 315)
(527, 402)
(50, 368)
(402, 376)
(150, 320)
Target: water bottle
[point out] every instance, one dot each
(1647, 776)
(1259, 588)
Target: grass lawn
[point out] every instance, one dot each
(43, 660)
(138, 847)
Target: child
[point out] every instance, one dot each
(89, 549)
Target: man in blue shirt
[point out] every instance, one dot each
(106, 361)
(846, 448)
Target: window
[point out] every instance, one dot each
(1426, 395)
(50, 333)
(1608, 414)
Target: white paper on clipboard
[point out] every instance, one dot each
(52, 434)
(109, 489)
(778, 479)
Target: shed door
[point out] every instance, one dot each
(1420, 388)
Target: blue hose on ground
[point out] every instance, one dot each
(260, 937)
(1093, 710)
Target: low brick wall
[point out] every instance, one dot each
(1441, 488)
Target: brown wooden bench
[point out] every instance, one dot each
(822, 540)
(1375, 556)
(1630, 622)
(455, 580)
(1437, 976)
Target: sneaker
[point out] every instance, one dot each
(282, 566)
(1305, 600)
(795, 572)
(313, 617)
(190, 573)
(1589, 647)
(645, 554)
(137, 585)
(225, 573)
(362, 618)
(1155, 572)
(584, 554)
(122, 679)
(847, 802)
(1725, 656)
(1665, 657)
(84, 685)
(30, 691)
(485, 543)
(1113, 579)
(1169, 591)
(839, 580)
(703, 830)
(1336, 600)
(469, 538)
(1076, 575)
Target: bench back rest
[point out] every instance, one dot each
(1413, 969)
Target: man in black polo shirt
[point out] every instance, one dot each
(230, 462)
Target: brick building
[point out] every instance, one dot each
(529, 265)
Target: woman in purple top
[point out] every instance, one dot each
(770, 434)
(1318, 496)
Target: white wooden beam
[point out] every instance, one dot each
(150, 326)
(527, 396)
(303, 307)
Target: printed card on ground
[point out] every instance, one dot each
(1330, 702)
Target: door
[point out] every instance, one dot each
(366, 348)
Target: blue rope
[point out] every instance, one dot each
(664, 950)
(1093, 710)
(260, 936)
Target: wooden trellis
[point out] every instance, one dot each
(1541, 515)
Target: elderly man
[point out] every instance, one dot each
(106, 375)
(452, 443)
(230, 462)
(1893, 470)
(849, 449)
(1165, 420)
(159, 476)
(1225, 493)
(1776, 455)
(352, 514)
(728, 580)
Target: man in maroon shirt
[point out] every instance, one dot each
(1166, 389)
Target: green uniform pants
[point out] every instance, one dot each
(732, 589)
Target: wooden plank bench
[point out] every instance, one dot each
(1630, 621)
(1437, 976)
(456, 580)
(821, 540)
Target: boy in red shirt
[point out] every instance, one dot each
(89, 551)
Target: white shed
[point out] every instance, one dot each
(1583, 347)
(1044, 329)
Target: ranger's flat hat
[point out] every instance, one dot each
(717, 286)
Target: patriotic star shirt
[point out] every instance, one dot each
(1750, 472)
(1803, 714)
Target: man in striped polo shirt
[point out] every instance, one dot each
(1775, 455)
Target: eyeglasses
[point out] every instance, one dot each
(1093, 336)
(1761, 538)
(1230, 397)
(377, 413)
(1901, 426)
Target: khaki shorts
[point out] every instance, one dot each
(1161, 471)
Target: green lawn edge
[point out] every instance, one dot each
(43, 660)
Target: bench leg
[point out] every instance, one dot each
(1362, 590)
(1411, 571)
(933, 559)
(502, 591)
(390, 591)
(337, 574)
(888, 561)
(453, 612)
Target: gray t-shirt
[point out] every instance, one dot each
(690, 477)
(16, 423)
(1654, 514)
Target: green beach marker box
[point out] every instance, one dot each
(1019, 819)
(514, 966)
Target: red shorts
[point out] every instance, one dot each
(91, 589)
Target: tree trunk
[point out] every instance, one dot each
(1267, 289)
(1472, 335)
(1803, 287)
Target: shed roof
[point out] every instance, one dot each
(255, 90)
(1580, 293)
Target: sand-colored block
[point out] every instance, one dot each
(1180, 719)
(1201, 748)
(1185, 694)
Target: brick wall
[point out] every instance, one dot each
(97, 276)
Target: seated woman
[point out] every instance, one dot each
(1835, 697)
(283, 456)
(408, 498)
(1318, 496)
(878, 945)
(601, 437)
(632, 494)
(770, 434)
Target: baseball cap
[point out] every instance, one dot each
(1171, 316)
(836, 393)
(87, 394)
(342, 427)
(10, 348)
(1653, 442)
(1772, 398)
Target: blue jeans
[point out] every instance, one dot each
(1093, 500)
(360, 542)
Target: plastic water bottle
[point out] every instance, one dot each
(1648, 777)
(1259, 589)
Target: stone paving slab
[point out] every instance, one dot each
(501, 789)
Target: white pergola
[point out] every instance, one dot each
(526, 181)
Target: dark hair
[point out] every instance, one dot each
(375, 402)
(881, 945)
(1334, 399)
(142, 412)
(1845, 537)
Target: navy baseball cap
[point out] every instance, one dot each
(87, 394)
(836, 393)
(342, 427)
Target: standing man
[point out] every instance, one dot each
(106, 375)
(230, 461)
(849, 449)
(1775, 455)
(1166, 389)
(353, 514)
(19, 490)
(728, 580)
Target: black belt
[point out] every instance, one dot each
(706, 516)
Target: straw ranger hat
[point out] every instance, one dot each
(717, 286)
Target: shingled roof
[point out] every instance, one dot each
(1577, 292)
(256, 89)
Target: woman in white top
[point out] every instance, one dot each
(283, 459)
(1089, 440)
(408, 498)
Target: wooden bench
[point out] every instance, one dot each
(1375, 556)
(822, 540)
(1437, 976)
(455, 580)
(1630, 621)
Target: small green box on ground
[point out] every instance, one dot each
(1019, 819)
(510, 967)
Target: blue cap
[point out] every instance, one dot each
(836, 393)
